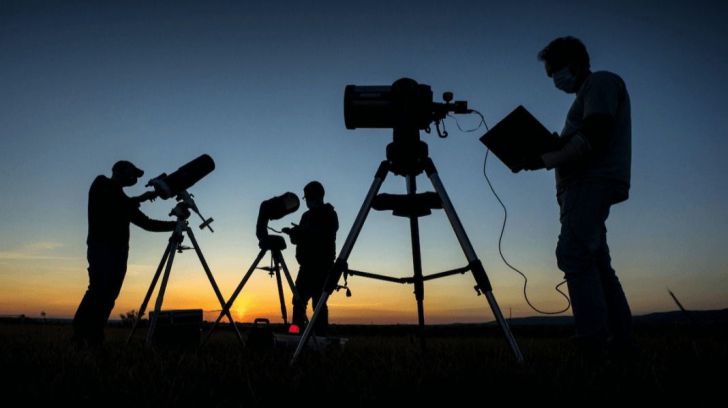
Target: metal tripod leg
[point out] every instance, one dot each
(148, 296)
(278, 258)
(476, 267)
(340, 265)
(279, 284)
(174, 245)
(229, 304)
(417, 261)
(212, 281)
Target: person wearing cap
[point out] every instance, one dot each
(110, 211)
(315, 240)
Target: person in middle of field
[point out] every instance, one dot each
(315, 240)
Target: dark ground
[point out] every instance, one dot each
(462, 364)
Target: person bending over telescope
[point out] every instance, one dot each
(110, 211)
(315, 240)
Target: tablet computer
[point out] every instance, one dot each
(518, 136)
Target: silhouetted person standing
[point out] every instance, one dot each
(109, 213)
(315, 240)
(592, 173)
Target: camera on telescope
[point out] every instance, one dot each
(403, 105)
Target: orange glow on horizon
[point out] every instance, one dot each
(57, 289)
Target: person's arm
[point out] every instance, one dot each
(602, 97)
(148, 196)
(590, 140)
(293, 233)
(139, 219)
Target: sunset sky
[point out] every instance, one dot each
(259, 87)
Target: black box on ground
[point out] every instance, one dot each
(178, 327)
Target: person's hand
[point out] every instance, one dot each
(530, 163)
(149, 195)
(286, 230)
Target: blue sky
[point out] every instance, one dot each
(259, 87)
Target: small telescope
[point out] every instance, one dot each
(176, 185)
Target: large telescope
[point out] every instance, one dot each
(404, 104)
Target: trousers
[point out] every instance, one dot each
(599, 305)
(106, 272)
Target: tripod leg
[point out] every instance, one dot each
(417, 261)
(277, 268)
(282, 261)
(341, 262)
(226, 308)
(476, 267)
(212, 282)
(148, 296)
(173, 245)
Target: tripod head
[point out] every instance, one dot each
(185, 203)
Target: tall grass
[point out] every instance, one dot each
(39, 364)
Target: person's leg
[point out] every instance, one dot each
(117, 259)
(584, 210)
(300, 302)
(84, 327)
(322, 323)
(107, 268)
(619, 316)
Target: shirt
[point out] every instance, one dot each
(601, 93)
(110, 211)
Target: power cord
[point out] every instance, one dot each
(503, 227)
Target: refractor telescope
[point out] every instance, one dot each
(167, 186)
(176, 185)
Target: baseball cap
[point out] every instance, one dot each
(127, 168)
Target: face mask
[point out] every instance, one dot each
(565, 80)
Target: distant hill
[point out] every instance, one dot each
(663, 318)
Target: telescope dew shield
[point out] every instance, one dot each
(185, 177)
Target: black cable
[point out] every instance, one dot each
(503, 227)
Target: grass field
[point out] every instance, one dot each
(40, 365)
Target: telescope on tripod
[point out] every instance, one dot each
(272, 209)
(176, 185)
(406, 107)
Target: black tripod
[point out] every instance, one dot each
(182, 212)
(275, 244)
(408, 156)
